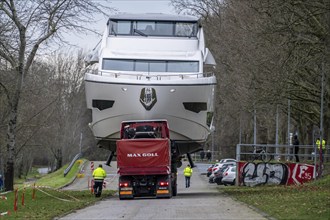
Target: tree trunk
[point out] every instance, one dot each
(9, 176)
(11, 142)
(59, 159)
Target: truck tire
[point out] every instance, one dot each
(174, 190)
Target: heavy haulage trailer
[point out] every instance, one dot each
(147, 161)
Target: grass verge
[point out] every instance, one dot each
(308, 201)
(46, 201)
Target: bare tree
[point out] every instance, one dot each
(267, 52)
(25, 27)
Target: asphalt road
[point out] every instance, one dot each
(201, 201)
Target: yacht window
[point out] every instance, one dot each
(154, 28)
(124, 65)
(164, 29)
(146, 27)
(182, 66)
(142, 66)
(151, 65)
(124, 27)
(120, 27)
(157, 66)
(185, 29)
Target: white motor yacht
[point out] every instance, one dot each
(151, 66)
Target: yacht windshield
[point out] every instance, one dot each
(154, 28)
(150, 65)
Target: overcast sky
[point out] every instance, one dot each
(129, 6)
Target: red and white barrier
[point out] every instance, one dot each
(92, 166)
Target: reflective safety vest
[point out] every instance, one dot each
(99, 173)
(318, 143)
(187, 171)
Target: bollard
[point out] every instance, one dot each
(34, 191)
(23, 195)
(15, 199)
(92, 186)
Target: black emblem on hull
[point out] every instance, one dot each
(148, 98)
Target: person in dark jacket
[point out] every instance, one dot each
(202, 154)
(208, 155)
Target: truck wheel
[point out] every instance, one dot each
(174, 190)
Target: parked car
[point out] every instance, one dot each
(219, 174)
(229, 176)
(216, 168)
(211, 177)
(209, 170)
(227, 160)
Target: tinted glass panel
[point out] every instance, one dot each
(142, 66)
(154, 28)
(185, 29)
(151, 65)
(146, 27)
(124, 27)
(157, 66)
(189, 66)
(164, 29)
(124, 65)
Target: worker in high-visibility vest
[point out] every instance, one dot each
(99, 175)
(318, 144)
(187, 172)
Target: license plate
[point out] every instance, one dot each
(163, 192)
(125, 192)
(126, 188)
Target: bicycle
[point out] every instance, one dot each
(260, 154)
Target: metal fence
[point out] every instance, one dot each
(282, 152)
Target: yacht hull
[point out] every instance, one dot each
(187, 105)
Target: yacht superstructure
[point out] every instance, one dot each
(150, 66)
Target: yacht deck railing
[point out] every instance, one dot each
(152, 76)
